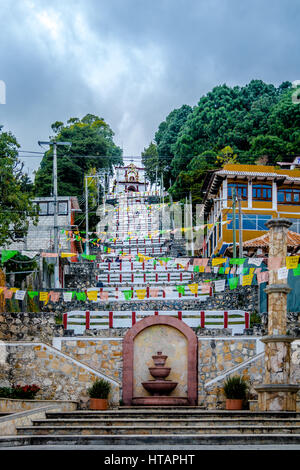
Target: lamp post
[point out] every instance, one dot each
(55, 194)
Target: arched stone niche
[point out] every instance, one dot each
(175, 339)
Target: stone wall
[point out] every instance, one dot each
(29, 327)
(217, 356)
(59, 376)
(65, 371)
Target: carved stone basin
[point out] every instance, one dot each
(159, 387)
(159, 372)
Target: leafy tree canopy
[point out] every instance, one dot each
(90, 136)
(16, 207)
(229, 124)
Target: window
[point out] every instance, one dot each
(43, 208)
(47, 208)
(219, 228)
(296, 225)
(250, 221)
(288, 196)
(262, 192)
(240, 190)
(63, 208)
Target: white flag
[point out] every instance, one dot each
(67, 296)
(255, 261)
(219, 285)
(20, 294)
(282, 273)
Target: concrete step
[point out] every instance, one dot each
(137, 429)
(172, 413)
(152, 440)
(167, 422)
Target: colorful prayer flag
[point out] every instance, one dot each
(233, 282)
(292, 262)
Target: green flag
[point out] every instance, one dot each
(221, 270)
(7, 254)
(196, 269)
(180, 289)
(127, 294)
(233, 282)
(237, 260)
(90, 257)
(32, 293)
(297, 271)
(80, 295)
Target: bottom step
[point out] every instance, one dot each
(159, 440)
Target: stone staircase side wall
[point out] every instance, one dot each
(252, 370)
(59, 376)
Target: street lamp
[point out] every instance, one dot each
(56, 266)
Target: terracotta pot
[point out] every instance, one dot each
(234, 404)
(98, 404)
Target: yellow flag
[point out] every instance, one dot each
(247, 280)
(227, 270)
(292, 262)
(251, 270)
(140, 293)
(92, 295)
(66, 255)
(216, 261)
(193, 288)
(44, 296)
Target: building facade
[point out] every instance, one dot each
(129, 178)
(40, 237)
(265, 192)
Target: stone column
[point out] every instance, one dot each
(277, 393)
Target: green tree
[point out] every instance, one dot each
(90, 136)
(150, 161)
(16, 207)
(166, 137)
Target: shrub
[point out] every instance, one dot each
(26, 391)
(20, 392)
(235, 388)
(6, 392)
(99, 389)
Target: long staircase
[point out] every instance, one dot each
(153, 426)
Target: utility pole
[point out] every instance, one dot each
(233, 223)
(240, 227)
(87, 243)
(55, 195)
(191, 224)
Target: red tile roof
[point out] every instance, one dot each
(293, 239)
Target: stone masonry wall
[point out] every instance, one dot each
(59, 376)
(67, 370)
(29, 327)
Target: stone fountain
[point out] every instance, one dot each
(159, 387)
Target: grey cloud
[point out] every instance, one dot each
(134, 61)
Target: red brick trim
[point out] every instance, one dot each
(192, 373)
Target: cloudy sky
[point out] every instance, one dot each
(133, 61)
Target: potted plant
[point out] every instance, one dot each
(235, 390)
(98, 394)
